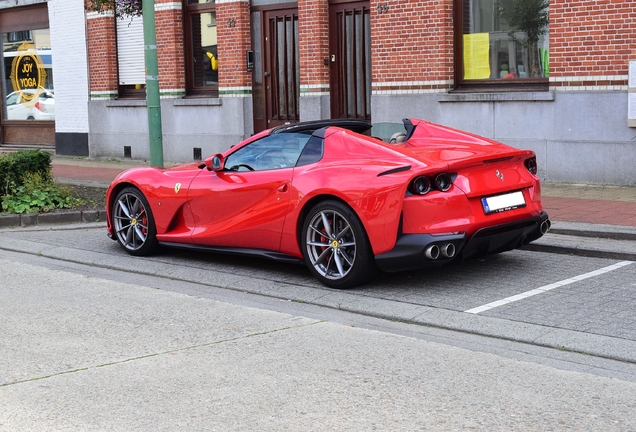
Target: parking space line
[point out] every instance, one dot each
(545, 288)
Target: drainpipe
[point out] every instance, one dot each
(152, 84)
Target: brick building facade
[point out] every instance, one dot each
(228, 68)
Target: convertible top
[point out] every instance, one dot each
(354, 125)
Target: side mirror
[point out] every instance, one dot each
(215, 163)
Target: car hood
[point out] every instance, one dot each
(154, 176)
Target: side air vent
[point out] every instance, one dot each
(395, 170)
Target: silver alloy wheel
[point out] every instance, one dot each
(130, 221)
(331, 244)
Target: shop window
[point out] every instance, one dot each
(502, 44)
(27, 76)
(130, 57)
(202, 76)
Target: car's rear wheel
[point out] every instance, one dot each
(133, 223)
(336, 247)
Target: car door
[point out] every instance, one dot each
(245, 204)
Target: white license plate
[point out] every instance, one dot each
(500, 203)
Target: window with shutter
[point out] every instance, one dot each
(130, 56)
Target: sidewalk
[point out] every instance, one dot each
(90, 172)
(613, 205)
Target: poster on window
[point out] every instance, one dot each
(476, 56)
(28, 83)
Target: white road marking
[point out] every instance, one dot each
(545, 288)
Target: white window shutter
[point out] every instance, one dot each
(130, 50)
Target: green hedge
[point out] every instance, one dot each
(14, 166)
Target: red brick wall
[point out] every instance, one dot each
(412, 41)
(591, 38)
(233, 33)
(102, 53)
(170, 48)
(313, 43)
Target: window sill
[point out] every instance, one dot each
(499, 97)
(124, 103)
(198, 101)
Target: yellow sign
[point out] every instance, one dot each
(27, 72)
(177, 188)
(476, 56)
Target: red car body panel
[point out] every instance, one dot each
(377, 205)
(264, 209)
(240, 209)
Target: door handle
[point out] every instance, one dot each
(282, 188)
(266, 74)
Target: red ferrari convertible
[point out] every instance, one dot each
(329, 194)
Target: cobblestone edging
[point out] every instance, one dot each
(63, 217)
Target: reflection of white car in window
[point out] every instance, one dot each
(41, 107)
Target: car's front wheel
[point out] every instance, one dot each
(336, 247)
(133, 224)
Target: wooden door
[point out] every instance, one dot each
(276, 82)
(350, 46)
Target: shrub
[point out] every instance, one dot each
(37, 194)
(14, 166)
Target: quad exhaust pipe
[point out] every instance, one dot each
(433, 252)
(448, 250)
(545, 226)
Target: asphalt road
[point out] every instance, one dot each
(94, 339)
(587, 312)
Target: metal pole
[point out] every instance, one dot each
(152, 84)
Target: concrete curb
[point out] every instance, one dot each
(54, 218)
(590, 253)
(596, 234)
(588, 240)
(605, 231)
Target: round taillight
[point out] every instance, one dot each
(420, 186)
(531, 165)
(443, 182)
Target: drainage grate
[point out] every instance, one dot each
(127, 152)
(196, 153)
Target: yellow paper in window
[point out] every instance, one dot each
(476, 58)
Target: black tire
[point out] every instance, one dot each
(133, 223)
(340, 258)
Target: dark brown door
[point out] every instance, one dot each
(277, 82)
(350, 46)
